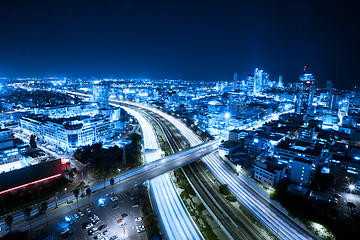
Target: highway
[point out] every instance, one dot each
(280, 224)
(231, 219)
(174, 217)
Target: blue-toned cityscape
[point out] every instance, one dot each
(280, 161)
(179, 120)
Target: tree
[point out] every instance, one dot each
(27, 213)
(88, 193)
(44, 207)
(76, 194)
(9, 221)
(112, 181)
(32, 141)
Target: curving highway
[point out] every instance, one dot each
(280, 224)
(174, 217)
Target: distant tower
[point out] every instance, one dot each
(280, 83)
(329, 85)
(101, 95)
(304, 103)
(236, 77)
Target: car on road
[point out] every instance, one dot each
(140, 229)
(89, 225)
(91, 231)
(115, 198)
(102, 227)
(85, 224)
(134, 197)
(66, 233)
(124, 215)
(98, 236)
(116, 206)
(114, 237)
(119, 220)
(337, 195)
(139, 219)
(354, 211)
(135, 204)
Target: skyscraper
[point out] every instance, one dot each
(236, 77)
(101, 95)
(306, 88)
(257, 81)
(280, 83)
(329, 85)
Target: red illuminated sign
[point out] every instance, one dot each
(27, 184)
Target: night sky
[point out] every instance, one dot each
(197, 40)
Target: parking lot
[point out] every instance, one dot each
(108, 217)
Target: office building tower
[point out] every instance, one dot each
(101, 95)
(237, 101)
(236, 77)
(250, 83)
(280, 83)
(305, 95)
(329, 85)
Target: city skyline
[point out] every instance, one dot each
(207, 41)
(179, 120)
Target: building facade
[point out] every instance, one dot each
(68, 133)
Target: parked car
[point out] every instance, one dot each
(102, 227)
(135, 205)
(337, 195)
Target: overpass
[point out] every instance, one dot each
(166, 164)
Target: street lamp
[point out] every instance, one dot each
(66, 197)
(352, 187)
(238, 169)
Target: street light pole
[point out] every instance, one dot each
(66, 197)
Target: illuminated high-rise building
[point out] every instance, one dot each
(305, 95)
(257, 81)
(250, 84)
(101, 95)
(236, 77)
(280, 83)
(329, 85)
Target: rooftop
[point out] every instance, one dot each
(21, 177)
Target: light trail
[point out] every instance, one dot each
(173, 214)
(282, 226)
